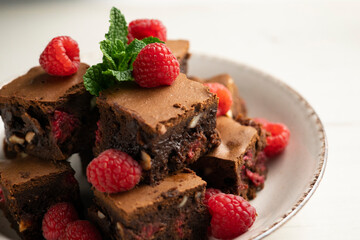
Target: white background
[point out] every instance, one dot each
(314, 46)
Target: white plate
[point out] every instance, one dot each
(295, 175)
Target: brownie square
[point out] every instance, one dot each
(236, 166)
(180, 48)
(173, 209)
(29, 186)
(164, 128)
(28, 105)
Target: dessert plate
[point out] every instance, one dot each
(294, 176)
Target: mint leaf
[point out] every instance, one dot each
(119, 75)
(131, 53)
(95, 81)
(107, 50)
(149, 40)
(118, 26)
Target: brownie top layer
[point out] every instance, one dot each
(179, 48)
(235, 139)
(22, 170)
(157, 105)
(37, 85)
(142, 197)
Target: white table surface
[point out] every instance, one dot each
(314, 46)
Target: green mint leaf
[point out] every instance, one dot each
(118, 26)
(95, 81)
(113, 53)
(107, 50)
(149, 40)
(131, 53)
(119, 75)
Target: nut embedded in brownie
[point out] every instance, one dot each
(164, 128)
(45, 115)
(174, 209)
(237, 165)
(29, 186)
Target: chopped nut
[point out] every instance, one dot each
(100, 215)
(23, 225)
(183, 202)
(161, 128)
(229, 114)
(93, 103)
(145, 161)
(120, 228)
(195, 120)
(16, 140)
(29, 136)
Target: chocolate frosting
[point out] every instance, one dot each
(160, 104)
(37, 85)
(179, 48)
(126, 203)
(235, 139)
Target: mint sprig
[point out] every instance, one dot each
(118, 56)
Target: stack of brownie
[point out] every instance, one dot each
(166, 129)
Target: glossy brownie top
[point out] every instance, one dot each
(37, 85)
(235, 139)
(161, 105)
(179, 48)
(143, 197)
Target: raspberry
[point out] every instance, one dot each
(278, 139)
(63, 124)
(81, 230)
(255, 178)
(142, 28)
(113, 171)
(231, 215)
(155, 66)
(97, 133)
(209, 193)
(61, 56)
(56, 219)
(224, 95)
(2, 198)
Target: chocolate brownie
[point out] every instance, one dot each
(173, 209)
(29, 186)
(239, 105)
(180, 48)
(28, 106)
(237, 165)
(164, 128)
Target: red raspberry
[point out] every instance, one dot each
(224, 95)
(63, 124)
(81, 230)
(61, 56)
(209, 193)
(155, 66)
(142, 28)
(231, 215)
(97, 133)
(56, 219)
(2, 198)
(113, 171)
(255, 178)
(278, 139)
